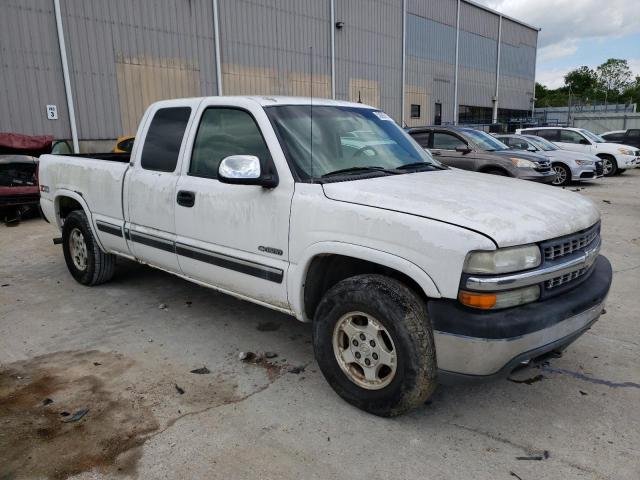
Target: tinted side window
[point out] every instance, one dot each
(446, 141)
(164, 137)
(551, 135)
(422, 138)
(633, 133)
(613, 137)
(517, 143)
(224, 132)
(569, 136)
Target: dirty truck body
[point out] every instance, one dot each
(411, 272)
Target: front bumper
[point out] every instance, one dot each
(541, 177)
(586, 172)
(627, 161)
(478, 345)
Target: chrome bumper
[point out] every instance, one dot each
(472, 356)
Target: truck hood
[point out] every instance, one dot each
(508, 210)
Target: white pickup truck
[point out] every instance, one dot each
(411, 272)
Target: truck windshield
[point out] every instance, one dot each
(346, 140)
(485, 141)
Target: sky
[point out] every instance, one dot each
(578, 32)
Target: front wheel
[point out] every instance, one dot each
(86, 262)
(563, 175)
(373, 342)
(610, 166)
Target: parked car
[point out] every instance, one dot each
(18, 186)
(411, 272)
(615, 157)
(478, 151)
(630, 136)
(569, 166)
(124, 144)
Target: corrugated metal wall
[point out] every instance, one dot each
(124, 55)
(369, 53)
(30, 70)
(266, 47)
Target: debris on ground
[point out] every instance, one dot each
(246, 356)
(515, 475)
(96, 364)
(47, 401)
(607, 201)
(162, 306)
(543, 456)
(5, 285)
(583, 393)
(76, 416)
(268, 326)
(527, 381)
(179, 390)
(65, 414)
(270, 354)
(201, 371)
(296, 370)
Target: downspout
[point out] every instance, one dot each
(66, 77)
(496, 96)
(216, 39)
(333, 49)
(533, 98)
(404, 54)
(455, 76)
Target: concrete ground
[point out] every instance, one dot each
(112, 349)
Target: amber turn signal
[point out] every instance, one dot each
(477, 300)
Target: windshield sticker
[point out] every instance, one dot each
(383, 116)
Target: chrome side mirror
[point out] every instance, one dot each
(244, 170)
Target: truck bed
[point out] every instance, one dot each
(98, 179)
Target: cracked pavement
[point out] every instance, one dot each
(258, 420)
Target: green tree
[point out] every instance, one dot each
(583, 80)
(614, 75)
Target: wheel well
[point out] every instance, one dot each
(606, 155)
(66, 205)
(327, 270)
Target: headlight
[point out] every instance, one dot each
(494, 301)
(626, 151)
(522, 163)
(502, 260)
(584, 162)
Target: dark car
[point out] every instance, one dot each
(470, 149)
(629, 137)
(18, 185)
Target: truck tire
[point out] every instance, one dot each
(609, 165)
(373, 342)
(86, 262)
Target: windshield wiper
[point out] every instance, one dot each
(416, 165)
(368, 169)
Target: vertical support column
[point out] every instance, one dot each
(216, 38)
(404, 61)
(497, 94)
(66, 77)
(455, 76)
(535, 61)
(333, 48)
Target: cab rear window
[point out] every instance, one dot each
(164, 137)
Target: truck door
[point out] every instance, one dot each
(444, 149)
(234, 237)
(150, 186)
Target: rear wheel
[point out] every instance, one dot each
(609, 165)
(374, 344)
(563, 175)
(86, 262)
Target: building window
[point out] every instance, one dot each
(474, 115)
(415, 110)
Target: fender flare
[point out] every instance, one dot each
(63, 192)
(298, 271)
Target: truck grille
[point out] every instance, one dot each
(566, 278)
(567, 245)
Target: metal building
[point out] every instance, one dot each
(100, 63)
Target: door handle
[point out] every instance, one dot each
(186, 199)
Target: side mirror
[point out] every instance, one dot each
(245, 170)
(584, 141)
(532, 149)
(462, 149)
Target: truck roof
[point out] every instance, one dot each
(271, 100)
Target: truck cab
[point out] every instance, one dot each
(411, 272)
